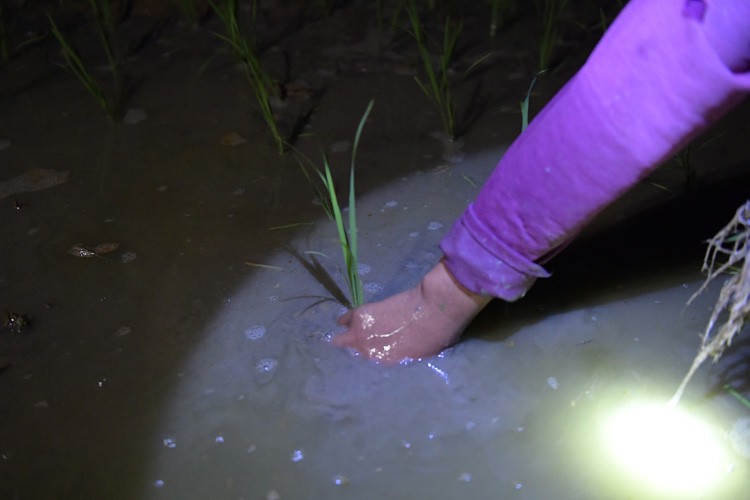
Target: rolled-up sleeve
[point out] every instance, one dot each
(651, 85)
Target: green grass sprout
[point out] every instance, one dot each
(321, 194)
(78, 68)
(262, 83)
(437, 88)
(498, 12)
(106, 29)
(291, 225)
(391, 21)
(347, 233)
(469, 180)
(525, 104)
(549, 12)
(105, 26)
(739, 397)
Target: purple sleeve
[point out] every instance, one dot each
(652, 84)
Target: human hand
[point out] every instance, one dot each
(417, 323)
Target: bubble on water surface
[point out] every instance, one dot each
(552, 382)
(158, 483)
(128, 257)
(255, 332)
(273, 495)
(219, 439)
(434, 225)
(266, 365)
(340, 480)
(169, 442)
(298, 455)
(341, 146)
(122, 331)
(134, 115)
(363, 269)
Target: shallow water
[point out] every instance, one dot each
(514, 410)
(194, 361)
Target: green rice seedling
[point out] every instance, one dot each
(105, 25)
(525, 105)
(262, 83)
(348, 237)
(106, 29)
(76, 66)
(437, 88)
(549, 12)
(739, 397)
(305, 165)
(347, 232)
(391, 20)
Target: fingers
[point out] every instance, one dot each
(346, 318)
(346, 339)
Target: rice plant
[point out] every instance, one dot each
(739, 397)
(525, 106)
(321, 194)
(347, 233)
(437, 88)
(390, 20)
(78, 68)
(549, 12)
(262, 83)
(106, 28)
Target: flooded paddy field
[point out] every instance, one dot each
(180, 283)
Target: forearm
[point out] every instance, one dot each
(652, 84)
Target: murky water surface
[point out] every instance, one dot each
(193, 360)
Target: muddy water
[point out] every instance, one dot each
(193, 361)
(265, 406)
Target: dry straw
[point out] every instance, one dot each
(727, 252)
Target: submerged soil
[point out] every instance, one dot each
(191, 360)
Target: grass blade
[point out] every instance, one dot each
(347, 235)
(76, 66)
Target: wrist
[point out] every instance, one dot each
(440, 288)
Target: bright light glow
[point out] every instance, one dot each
(663, 446)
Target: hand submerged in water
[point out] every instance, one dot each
(417, 323)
